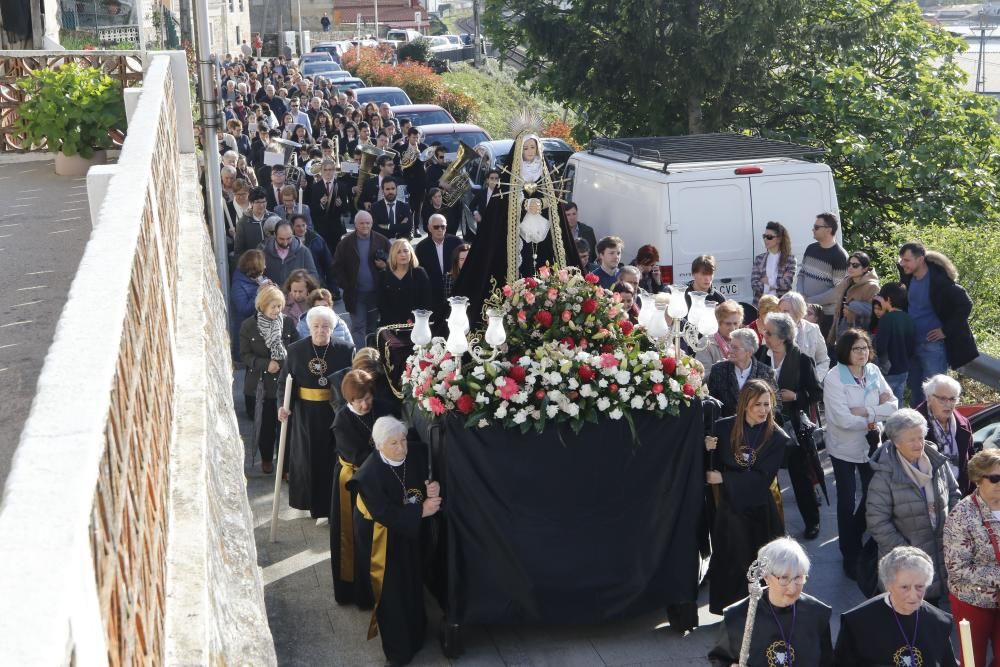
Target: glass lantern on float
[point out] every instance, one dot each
(695, 325)
(458, 342)
(421, 334)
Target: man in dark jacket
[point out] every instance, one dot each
(940, 310)
(434, 254)
(392, 217)
(284, 253)
(359, 279)
(249, 232)
(327, 199)
(580, 230)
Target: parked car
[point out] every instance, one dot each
(399, 36)
(422, 114)
(379, 94)
(320, 68)
(335, 49)
(449, 134)
(454, 40)
(349, 83)
(439, 43)
(314, 57)
(985, 420)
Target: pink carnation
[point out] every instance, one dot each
(508, 291)
(553, 293)
(563, 275)
(544, 271)
(608, 360)
(436, 406)
(509, 388)
(566, 316)
(529, 298)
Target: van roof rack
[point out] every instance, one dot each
(699, 148)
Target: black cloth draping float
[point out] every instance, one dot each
(563, 528)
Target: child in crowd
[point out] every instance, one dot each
(609, 254)
(896, 339)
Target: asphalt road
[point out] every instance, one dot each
(44, 227)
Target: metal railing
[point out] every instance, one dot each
(123, 66)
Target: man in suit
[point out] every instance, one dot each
(385, 167)
(580, 230)
(392, 217)
(434, 254)
(274, 190)
(359, 277)
(327, 201)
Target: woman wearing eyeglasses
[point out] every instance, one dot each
(853, 296)
(972, 556)
(949, 430)
(790, 627)
(750, 449)
(774, 270)
(857, 399)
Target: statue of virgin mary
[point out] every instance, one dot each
(522, 229)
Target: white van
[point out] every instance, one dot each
(701, 194)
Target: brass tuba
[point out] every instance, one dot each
(455, 181)
(365, 169)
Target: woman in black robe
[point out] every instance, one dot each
(352, 430)
(750, 448)
(898, 627)
(506, 247)
(312, 362)
(394, 497)
(790, 627)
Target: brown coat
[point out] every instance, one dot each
(862, 290)
(346, 263)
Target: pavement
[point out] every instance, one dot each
(309, 628)
(44, 228)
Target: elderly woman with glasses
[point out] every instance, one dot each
(729, 315)
(790, 628)
(949, 431)
(856, 399)
(897, 627)
(911, 492)
(729, 376)
(808, 336)
(798, 389)
(393, 497)
(972, 556)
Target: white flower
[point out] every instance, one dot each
(572, 409)
(520, 397)
(603, 403)
(602, 383)
(530, 380)
(500, 382)
(479, 373)
(448, 365)
(501, 411)
(552, 410)
(555, 378)
(624, 393)
(656, 376)
(623, 377)
(521, 416)
(524, 361)
(586, 391)
(616, 413)
(675, 386)
(482, 397)
(661, 399)
(483, 423)
(573, 383)
(636, 402)
(454, 392)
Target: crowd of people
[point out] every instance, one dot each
(825, 341)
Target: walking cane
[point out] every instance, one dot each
(754, 575)
(281, 461)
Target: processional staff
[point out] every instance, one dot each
(754, 575)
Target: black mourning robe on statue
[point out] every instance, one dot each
(870, 637)
(399, 609)
(487, 260)
(310, 442)
(353, 438)
(810, 639)
(747, 517)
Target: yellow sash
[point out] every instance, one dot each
(347, 471)
(307, 394)
(380, 541)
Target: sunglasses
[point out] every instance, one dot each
(768, 237)
(854, 265)
(994, 479)
(438, 227)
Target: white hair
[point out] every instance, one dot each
(931, 384)
(747, 339)
(438, 217)
(385, 428)
(228, 171)
(905, 558)
(324, 312)
(784, 556)
(797, 302)
(633, 270)
(903, 420)
(784, 326)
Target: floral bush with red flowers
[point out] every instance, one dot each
(571, 356)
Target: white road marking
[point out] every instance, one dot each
(25, 289)
(71, 219)
(61, 231)
(14, 324)
(4, 347)
(71, 210)
(26, 198)
(31, 190)
(38, 273)
(19, 205)
(14, 224)
(4, 236)
(26, 303)
(3, 369)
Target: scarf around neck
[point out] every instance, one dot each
(922, 475)
(271, 331)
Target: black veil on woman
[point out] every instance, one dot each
(523, 228)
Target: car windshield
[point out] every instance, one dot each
(450, 141)
(428, 117)
(310, 69)
(345, 84)
(393, 97)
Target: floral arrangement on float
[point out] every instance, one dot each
(561, 350)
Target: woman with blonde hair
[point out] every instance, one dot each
(729, 315)
(765, 306)
(403, 287)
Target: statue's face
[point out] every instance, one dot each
(533, 206)
(529, 151)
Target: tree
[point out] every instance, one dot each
(876, 85)
(644, 66)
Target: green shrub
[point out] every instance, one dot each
(459, 105)
(72, 107)
(418, 51)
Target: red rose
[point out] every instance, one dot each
(518, 373)
(588, 306)
(568, 342)
(626, 326)
(540, 394)
(531, 283)
(465, 404)
(544, 317)
(613, 388)
(607, 348)
(669, 365)
(592, 279)
(658, 388)
(586, 373)
(687, 389)
(423, 364)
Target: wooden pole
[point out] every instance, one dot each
(281, 461)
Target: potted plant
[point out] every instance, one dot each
(72, 107)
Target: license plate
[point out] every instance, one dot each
(731, 288)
